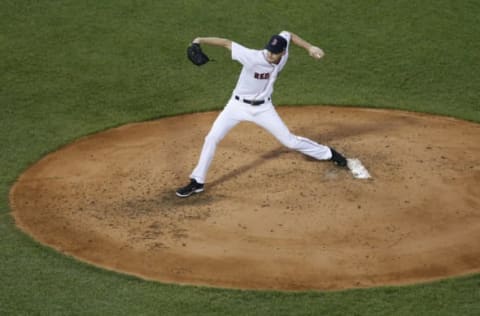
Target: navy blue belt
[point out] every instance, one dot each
(251, 102)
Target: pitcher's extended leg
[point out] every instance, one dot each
(271, 121)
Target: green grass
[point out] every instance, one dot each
(72, 68)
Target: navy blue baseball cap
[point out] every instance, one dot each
(277, 44)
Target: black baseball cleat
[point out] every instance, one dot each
(338, 159)
(189, 189)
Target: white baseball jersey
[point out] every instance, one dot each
(258, 75)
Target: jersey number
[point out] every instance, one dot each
(264, 76)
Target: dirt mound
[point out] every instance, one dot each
(269, 218)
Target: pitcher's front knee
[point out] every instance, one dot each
(212, 139)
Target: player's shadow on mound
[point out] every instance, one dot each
(347, 130)
(275, 153)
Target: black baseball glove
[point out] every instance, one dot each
(196, 55)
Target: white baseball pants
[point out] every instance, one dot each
(263, 115)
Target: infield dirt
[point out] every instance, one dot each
(270, 218)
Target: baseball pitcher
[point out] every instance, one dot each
(251, 101)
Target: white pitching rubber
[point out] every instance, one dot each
(357, 169)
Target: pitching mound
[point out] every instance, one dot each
(269, 218)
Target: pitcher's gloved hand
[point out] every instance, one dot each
(196, 55)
